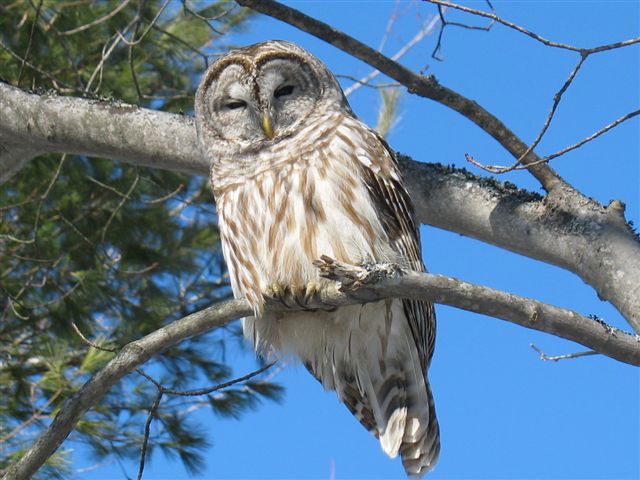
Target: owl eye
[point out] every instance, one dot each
(283, 91)
(235, 104)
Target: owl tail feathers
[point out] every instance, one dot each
(391, 438)
(421, 446)
(400, 413)
(411, 430)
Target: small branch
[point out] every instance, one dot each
(535, 36)
(545, 357)
(358, 285)
(444, 22)
(556, 100)
(503, 169)
(147, 428)
(119, 206)
(162, 390)
(220, 386)
(26, 53)
(428, 27)
(591, 137)
(375, 86)
(97, 21)
(89, 342)
(206, 20)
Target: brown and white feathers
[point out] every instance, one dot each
(295, 176)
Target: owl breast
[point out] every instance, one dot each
(312, 202)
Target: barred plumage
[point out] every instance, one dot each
(295, 176)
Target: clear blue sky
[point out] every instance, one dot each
(503, 413)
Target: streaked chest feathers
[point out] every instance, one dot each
(297, 210)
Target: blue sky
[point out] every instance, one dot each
(503, 413)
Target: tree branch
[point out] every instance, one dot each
(358, 284)
(34, 124)
(563, 229)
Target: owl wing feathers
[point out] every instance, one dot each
(390, 343)
(381, 174)
(396, 213)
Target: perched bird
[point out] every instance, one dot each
(296, 175)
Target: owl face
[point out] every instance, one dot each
(259, 95)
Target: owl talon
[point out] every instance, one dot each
(298, 298)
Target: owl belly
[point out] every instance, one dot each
(321, 209)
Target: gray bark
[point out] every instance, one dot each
(563, 228)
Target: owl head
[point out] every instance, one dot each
(259, 95)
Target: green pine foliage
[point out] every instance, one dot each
(116, 250)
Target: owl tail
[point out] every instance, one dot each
(382, 384)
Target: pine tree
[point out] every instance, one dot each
(111, 249)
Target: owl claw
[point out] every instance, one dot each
(298, 298)
(278, 293)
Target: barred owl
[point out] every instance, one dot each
(296, 175)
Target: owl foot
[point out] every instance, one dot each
(354, 277)
(298, 298)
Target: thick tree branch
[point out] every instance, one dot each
(564, 228)
(35, 124)
(577, 234)
(359, 284)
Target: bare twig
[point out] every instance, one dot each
(591, 137)
(376, 86)
(147, 428)
(98, 21)
(535, 36)
(504, 168)
(556, 100)
(205, 391)
(165, 197)
(106, 53)
(89, 342)
(162, 390)
(54, 81)
(555, 358)
(206, 20)
(389, 28)
(105, 186)
(119, 206)
(426, 29)
(33, 29)
(444, 22)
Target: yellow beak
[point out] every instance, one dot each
(267, 125)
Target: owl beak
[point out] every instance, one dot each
(267, 125)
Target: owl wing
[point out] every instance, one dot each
(381, 174)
